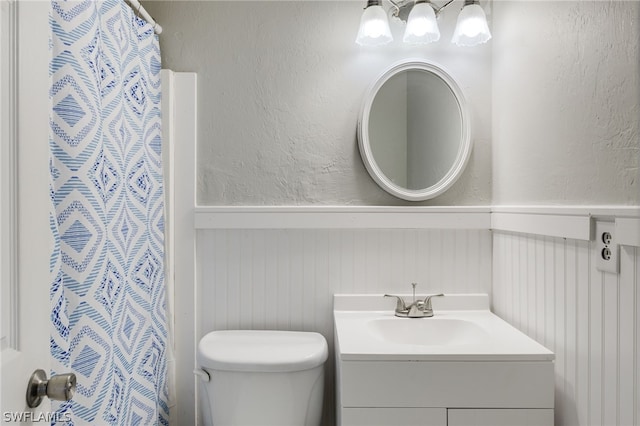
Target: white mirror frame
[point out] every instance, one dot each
(365, 146)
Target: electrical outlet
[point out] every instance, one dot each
(606, 247)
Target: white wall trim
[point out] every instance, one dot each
(8, 177)
(596, 211)
(575, 227)
(335, 217)
(181, 87)
(574, 222)
(169, 186)
(627, 231)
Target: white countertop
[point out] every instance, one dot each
(493, 339)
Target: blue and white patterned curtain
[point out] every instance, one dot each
(108, 294)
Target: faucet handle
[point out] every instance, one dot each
(428, 310)
(400, 305)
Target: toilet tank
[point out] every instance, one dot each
(259, 377)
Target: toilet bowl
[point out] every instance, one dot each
(261, 378)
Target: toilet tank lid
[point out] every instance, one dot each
(262, 350)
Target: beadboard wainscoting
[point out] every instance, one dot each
(549, 288)
(278, 268)
(285, 278)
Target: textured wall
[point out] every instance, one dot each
(281, 83)
(280, 88)
(566, 96)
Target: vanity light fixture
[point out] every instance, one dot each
(471, 28)
(374, 25)
(422, 27)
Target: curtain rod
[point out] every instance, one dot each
(142, 12)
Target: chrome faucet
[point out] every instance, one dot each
(417, 309)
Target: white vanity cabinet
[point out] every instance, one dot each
(510, 393)
(499, 417)
(479, 372)
(446, 417)
(394, 416)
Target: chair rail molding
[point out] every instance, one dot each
(337, 217)
(574, 222)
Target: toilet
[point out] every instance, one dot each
(261, 377)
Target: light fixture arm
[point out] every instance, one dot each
(438, 9)
(400, 4)
(379, 3)
(396, 13)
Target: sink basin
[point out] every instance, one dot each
(426, 331)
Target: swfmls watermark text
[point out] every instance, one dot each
(28, 416)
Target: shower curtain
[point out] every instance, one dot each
(108, 294)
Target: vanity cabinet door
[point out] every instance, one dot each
(394, 416)
(500, 417)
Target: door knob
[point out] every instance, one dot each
(59, 387)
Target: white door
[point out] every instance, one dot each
(25, 235)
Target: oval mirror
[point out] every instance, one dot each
(414, 131)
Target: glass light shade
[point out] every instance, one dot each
(472, 28)
(374, 27)
(422, 26)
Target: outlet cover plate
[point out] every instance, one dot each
(606, 247)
